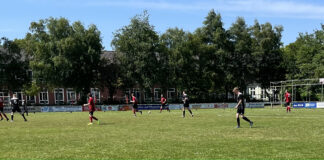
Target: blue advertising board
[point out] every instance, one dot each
(310, 105)
(149, 106)
(299, 105)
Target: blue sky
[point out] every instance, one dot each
(109, 15)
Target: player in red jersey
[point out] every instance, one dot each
(135, 106)
(92, 109)
(1, 110)
(288, 101)
(163, 104)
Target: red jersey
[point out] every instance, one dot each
(163, 100)
(288, 97)
(1, 103)
(134, 100)
(91, 104)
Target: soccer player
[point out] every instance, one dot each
(240, 107)
(186, 105)
(15, 107)
(163, 104)
(24, 104)
(288, 101)
(1, 110)
(135, 107)
(92, 109)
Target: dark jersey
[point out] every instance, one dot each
(14, 102)
(241, 97)
(185, 101)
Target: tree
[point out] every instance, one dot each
(13, 65)
(137, 47)
(304, 57)
(267, 53)
(241, 66)
(63, 55)
(215, 47)
(109, 74)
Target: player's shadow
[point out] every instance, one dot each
(106, 124)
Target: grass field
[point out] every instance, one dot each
(208, 135)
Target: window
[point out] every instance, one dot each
(252, 92)
(157, 94)
(31, 99)
(43, 97)
(59, 95)
(263, 93)
(171, 93)
(148, 96)
(71, 96)
(96, 94)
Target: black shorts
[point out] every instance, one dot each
(135, 106)
(287, 104)
(240, 110)
(16, 109)
(91, 113)
(163, 106)
(1, 109)
(186, 105)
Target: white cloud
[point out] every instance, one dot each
(259, 8)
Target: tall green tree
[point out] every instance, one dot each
(63, 54)
(267, 53)
(109, 75)
(13, 65)
(215, 47)
(241, 65)
(137, 47)
(304, 57)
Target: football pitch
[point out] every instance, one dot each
(210, 134)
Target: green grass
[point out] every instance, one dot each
(208, 135)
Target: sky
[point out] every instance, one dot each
(296, 16)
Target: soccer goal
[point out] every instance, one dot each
(306, 90)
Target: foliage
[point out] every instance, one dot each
(13, 65)
(63, 54)
(137, 47)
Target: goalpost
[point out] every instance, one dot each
(278, 88)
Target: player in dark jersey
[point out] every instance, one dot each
(163, 104)
(135, 105)
(1, 110)
(186, 105)
(240, 107)
(288, 101)
(24, 104)
(92, 109)
(15, 107)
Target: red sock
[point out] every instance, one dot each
(289, 109)
(134, 111)
(90, 119)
